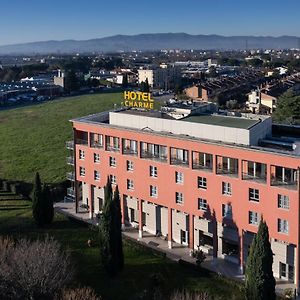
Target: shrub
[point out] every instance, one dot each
(184, 295)
(32, 270)
(84, 293)
(200, 257)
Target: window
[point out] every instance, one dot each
(97, 175)
(254, 195)
(96, 158)
(153, 191)
(81, 154)
(129, 165)
(179, 177)
(226, 188)
(153, 171)
(130, 185)
(253, 218)
(227, 211)
(283, 226)
(282, 269)
(82, 171)
(113, 179)
(112, 161)
(283, 202)
(202, 183)
(179, 198)
(202, 204)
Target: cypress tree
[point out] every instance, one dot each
(37, 203)
(118, 230)
(107, 230)
(259, 279)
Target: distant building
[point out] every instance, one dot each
(164, 77)
(60, 79)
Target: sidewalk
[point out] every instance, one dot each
(178, 252)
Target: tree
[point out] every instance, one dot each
(37, 202)
(107, 230)
(125, 80)
(145, 88)
(118, 229)
(288, 109)
(71, 82)
(259, 279)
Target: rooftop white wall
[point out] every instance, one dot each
(198, 130)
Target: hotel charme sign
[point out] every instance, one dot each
(138, 100)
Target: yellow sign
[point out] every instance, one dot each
(138, 100)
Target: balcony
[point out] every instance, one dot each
(257, 178)
(70, 160)
(154, 156)
(96, 144)
(130, 151)
(70, 145)
(227, 171)
(71, 192)
(112, 148)
(288, 184)
(197, 165)
(81, 142)
(71, 176)
(179, 162)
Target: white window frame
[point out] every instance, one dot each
(283, 226)
(202, 182)
(82, 171)
(283, 201)
(81, 154)
(129, 165)
(179, 198)
(130, 184)
(254, 194)
(226, 188)
(96, 175)
(112, 161)
(113, 179)
(96, 158)
(254, 218)
(202, 204)
(179, 177)
(153, 191)
(153, 171)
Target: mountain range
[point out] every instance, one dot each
(155, 41)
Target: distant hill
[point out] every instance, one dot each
(155, 41)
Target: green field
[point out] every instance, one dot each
(141, 264)
(33, 137)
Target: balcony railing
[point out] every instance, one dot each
(71, 176)
(149, 155)
(230, 171)
(112, 148)
(70, 160)
(70, 145)
(179, 162)
(68, 199)
(200, 166)
(258, 178)
(289, 184)
(130, 151)
(96, 144)
(70, 192)
(81, 142)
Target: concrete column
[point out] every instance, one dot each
(170, 243)
(215, 239)
(91, 196)
(140, 204)
(241, 248)
(240, 169)
(191, 231)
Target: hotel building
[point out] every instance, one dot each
(203, 181)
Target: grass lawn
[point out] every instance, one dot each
(33, 137)
(140, 263)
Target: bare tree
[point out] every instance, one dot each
(84, 293)
(33, 269)
(185, 295)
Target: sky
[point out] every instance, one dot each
(40, 20)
